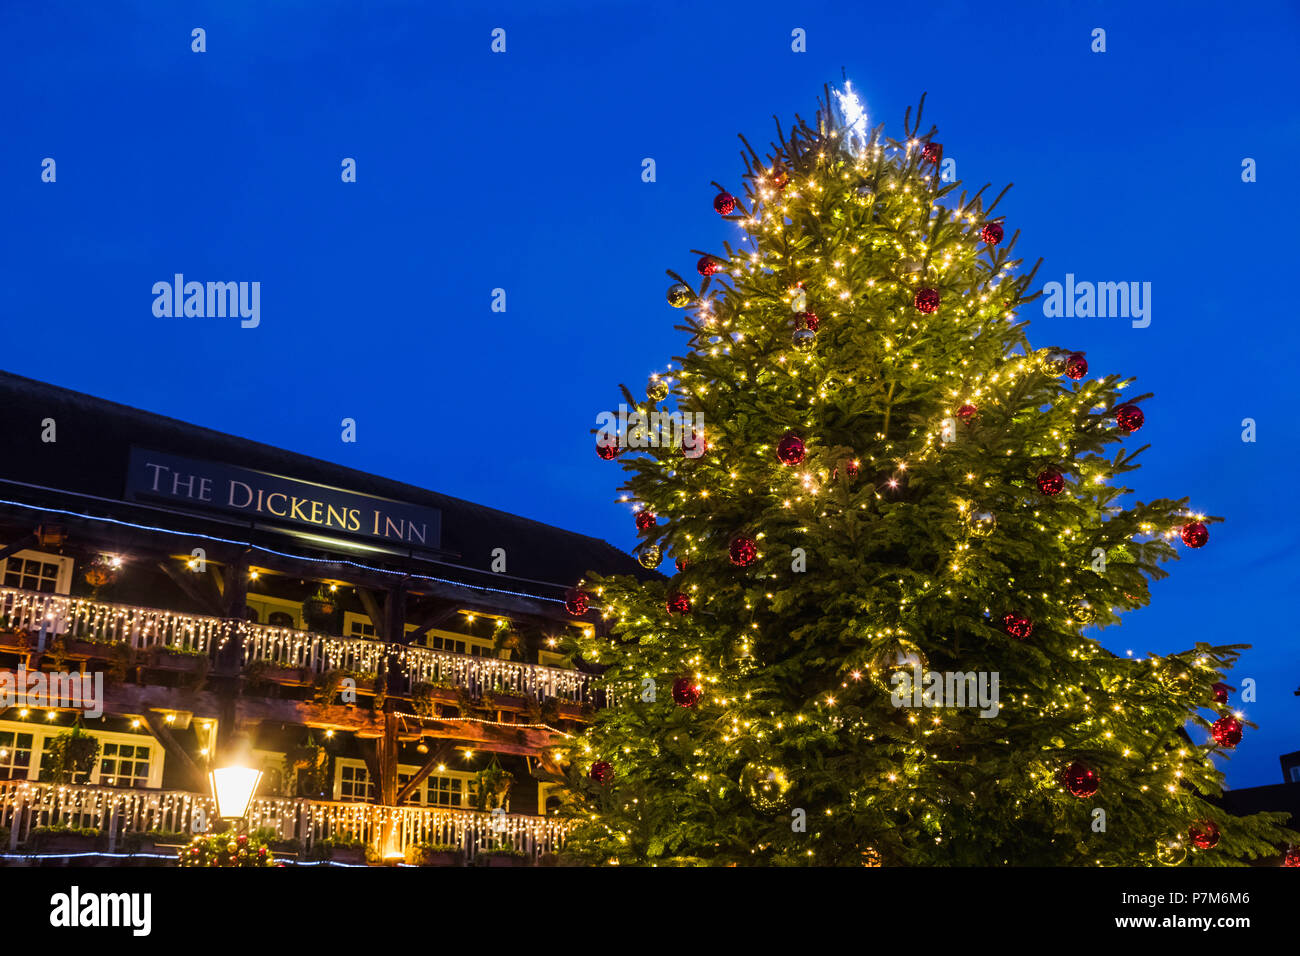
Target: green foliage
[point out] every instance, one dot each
(491, 787)
(70, 756)
(867, 562)
(306, 770)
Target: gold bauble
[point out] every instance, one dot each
(764, 786)
(1171, 852)
(980, 524)
(656, 390)
(1053, 361)
(650, 557)
(1082, 611)
(680, 295)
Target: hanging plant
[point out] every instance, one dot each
(319, 608)
(71, 756)
(102, 571)
(491, 786)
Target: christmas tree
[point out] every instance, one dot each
(897, 530)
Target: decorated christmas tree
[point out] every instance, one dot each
(898, 529)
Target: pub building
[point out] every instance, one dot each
(388, 657)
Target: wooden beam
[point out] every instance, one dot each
(439, 755)
(174, 750)
(135, 700)
(19, 545)
(218, 579)
(370, 754)
(437, 619)
(371, 607)
(191, 590)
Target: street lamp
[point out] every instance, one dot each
(233, 781)
(233, 789)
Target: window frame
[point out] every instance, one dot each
(63, 577)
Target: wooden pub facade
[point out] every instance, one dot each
(389, 658)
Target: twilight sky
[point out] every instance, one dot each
(521, 171)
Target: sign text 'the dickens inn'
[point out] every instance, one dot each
(205, 485)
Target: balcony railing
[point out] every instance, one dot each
(142, 628)
(25, 806)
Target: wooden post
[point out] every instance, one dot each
(16, 821)
(236, 594)
(386, 786)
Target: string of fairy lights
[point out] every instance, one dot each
(287, 647)
(26, 805)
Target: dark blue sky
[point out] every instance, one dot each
(522, 171)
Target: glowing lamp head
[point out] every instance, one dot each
(233, 789)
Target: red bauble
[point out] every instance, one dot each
(724, 203)
(967, 414)
(790, 450)
(1129, 418)
(679, 604)
(1081, 780)
(926, 300)
(1226, 732)
(807, 320)
(707, 265)
(1017, 625)
(851, 469)
(680, 564)
(686, 692)
(1076, 366)
(608, 452)
(645, 519)
(576, 602)
(1050, 482)
(1195, 534)
(1220, 692)
(602, 772)
(698, 446)
(992, 233)
(1291, 857)
(743, 551)
(1204, 835)
(932, 153)
(779, 178)
(242, 839)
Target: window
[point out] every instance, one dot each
(439, 643)
(38, 571)
(459, 643)
(353, 782)
(551, 659)
(15, 754)
(445, 791)
(358, 625)
(124, 765)
(1295, 774)
(277, 612)
(549, 798)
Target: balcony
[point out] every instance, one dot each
(92, 627)
(120, 815)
